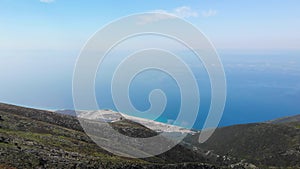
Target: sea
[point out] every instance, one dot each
(261, 85)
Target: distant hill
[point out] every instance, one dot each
(31, 138)
(263, 144)
(291, 119)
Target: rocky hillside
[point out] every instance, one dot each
(263, 144)
(31, 138)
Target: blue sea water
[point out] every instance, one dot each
(260, 86)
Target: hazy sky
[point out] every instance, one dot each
(66, 25)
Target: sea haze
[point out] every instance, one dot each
(260, 86)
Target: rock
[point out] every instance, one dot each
(42, 161)
(4, 140)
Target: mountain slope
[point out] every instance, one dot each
(262, 144)
(32, 138)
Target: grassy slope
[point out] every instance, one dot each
(32, 138)
(30, 143)
(262, 144)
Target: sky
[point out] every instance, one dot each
(66, 25)
(258, 42)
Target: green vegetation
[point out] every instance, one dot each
(36, 139)
(32, 138)
(263, 144)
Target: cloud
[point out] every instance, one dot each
(47, 1)
(209, 13)
(155, 17)
(183, 12)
